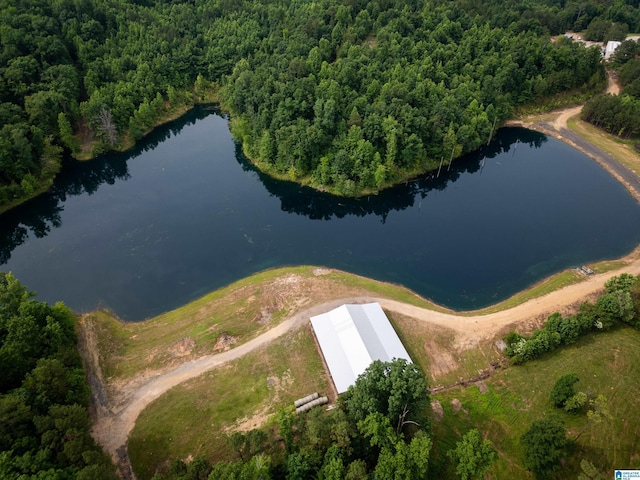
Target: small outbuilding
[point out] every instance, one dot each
(351, 337)
(610, 49)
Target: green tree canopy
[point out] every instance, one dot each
(472, 456)
(544, 444)
(396, 389)
(563, 389)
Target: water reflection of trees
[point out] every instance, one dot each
(40, 215)
(322, 206)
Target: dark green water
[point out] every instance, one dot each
(184, 214)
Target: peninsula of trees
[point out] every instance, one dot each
(346, 95)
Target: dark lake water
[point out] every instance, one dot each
(184, 213)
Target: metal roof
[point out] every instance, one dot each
(351, 337)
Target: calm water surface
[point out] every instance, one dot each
(185, 213)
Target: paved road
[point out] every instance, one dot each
(629, 178)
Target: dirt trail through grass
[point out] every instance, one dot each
(117, 416)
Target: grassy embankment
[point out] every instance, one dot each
(203, 410)
(620, 149)
(250, 306)
(241, 311)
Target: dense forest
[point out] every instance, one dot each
(346, 95)
(44, 422)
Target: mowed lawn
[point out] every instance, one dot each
(506, 404)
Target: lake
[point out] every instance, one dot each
(184, 213)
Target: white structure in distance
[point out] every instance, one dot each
(351, 337)
(611, 48)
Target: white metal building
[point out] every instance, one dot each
(610, 49)
(351, 337)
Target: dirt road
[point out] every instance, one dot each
(116, 419)
(559, 129)
(116, 416)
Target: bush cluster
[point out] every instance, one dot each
(619, 303)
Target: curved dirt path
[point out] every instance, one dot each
(558, 128)
(564, 115)
(115, 422)
(116, 419)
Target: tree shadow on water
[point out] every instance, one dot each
(42, 214)
(318, 205)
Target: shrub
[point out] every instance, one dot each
(563, 389)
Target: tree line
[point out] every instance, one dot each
(619, 303)
(350, 95)
(378, 430)
(619, 114)
(45, 431)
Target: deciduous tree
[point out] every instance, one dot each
(544, 444)
(473, 456)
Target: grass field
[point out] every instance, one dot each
(195, 417)
(621, 150)
(250, 391)
(607, 363)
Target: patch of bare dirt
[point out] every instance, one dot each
(321, 271)
(182, 347)
(285, 292)
(224, 342)
(263, 317)
(441, 361)
(265, 412)
(247, 424)
(456, 404)
(564, 115)
(613, 85)
(438, 411)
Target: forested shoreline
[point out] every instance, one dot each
(348, 96)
